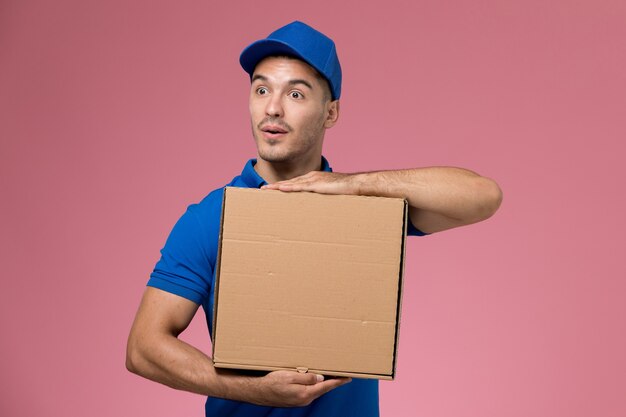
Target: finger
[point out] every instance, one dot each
(273, 186)
(291, 187)
(308, 379)
(277, 185)
(328, 385)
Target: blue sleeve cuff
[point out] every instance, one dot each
(412, 230)
(176, 289)
(184, 268)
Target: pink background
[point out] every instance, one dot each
(115, 115)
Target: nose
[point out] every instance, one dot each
(274, 107)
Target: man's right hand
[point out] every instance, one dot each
(291, 389)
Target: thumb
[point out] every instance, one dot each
(309, 379)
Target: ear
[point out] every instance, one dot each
(332, 114)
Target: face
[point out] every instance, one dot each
(289, 110)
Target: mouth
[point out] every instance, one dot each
(272, 131)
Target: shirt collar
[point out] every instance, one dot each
(254, 180)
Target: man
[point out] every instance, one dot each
(294, 97)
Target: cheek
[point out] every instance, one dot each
(309, 118)
(255, 106)
(252, 107)
(315, 121)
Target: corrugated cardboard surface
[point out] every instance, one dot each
(309, 281)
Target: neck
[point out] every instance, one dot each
(279, 171)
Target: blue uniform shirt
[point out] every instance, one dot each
(187, 269)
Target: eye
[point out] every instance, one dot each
(296, 94)
(261, 91)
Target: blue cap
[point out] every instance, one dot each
(303, 42)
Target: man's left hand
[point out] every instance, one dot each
(320, 182)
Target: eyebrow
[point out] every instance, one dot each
(304, 82)
(291, 82)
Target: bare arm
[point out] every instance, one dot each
(155, 352)
(440, 198)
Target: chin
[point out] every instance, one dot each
(273, 153)
(275, 156)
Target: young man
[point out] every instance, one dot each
(294, 98)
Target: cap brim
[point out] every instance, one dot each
(263, 48)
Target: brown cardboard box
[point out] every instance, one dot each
(309, 282)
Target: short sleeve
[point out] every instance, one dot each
(412, 230)
(184, 268)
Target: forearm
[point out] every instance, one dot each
(170, 361)
(179, 365)
(173, 362)
(456, 193)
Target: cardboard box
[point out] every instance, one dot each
(309, 282)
